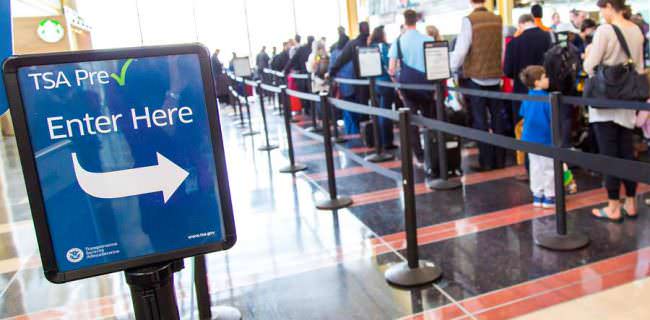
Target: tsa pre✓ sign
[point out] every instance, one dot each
(127, 155)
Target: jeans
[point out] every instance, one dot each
(386, 99)
(618, 142)
(488, 115)
(351, 119)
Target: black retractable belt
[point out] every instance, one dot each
(334, 202)
(443, 182)
(379, 155)
(561, 239)
(414, 272)
(268, 146)
(293, 167)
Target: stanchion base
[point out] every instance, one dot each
(250, 133)
(401, 276)
(379, 157)
(225, 313)
(340, 140)
(314, 129)
(267, 148)
(334, 204)
(293, 169)
(439, 184)
(554, 241)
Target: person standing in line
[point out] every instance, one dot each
(408, 52)
(280, 60)
(298, 64)
(614, 127)
(434, 33)
(344, 67)
(262, 62)
(557, 20)
(385, 96)
(231, 66)
(537, 129)
(343, 38)
(479, 52)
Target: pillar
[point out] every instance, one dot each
(353, 18)
(505, 10)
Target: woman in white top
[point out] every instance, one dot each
(613, 127)
(317, 65)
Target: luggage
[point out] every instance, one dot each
(453, 147)
(453, 144)
(368, 134)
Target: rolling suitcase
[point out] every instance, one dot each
(453, 148)
(367, 133)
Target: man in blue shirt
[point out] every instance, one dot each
(408, 52)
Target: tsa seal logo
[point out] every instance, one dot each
(74, 255)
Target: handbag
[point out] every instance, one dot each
(618, 82)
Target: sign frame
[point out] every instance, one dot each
(28, 161)
(436, 44)
(358, 62)
(238, 71)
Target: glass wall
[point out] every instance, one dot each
(240, 26)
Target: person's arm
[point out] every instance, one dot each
(463, 44)
(393, 60)
(596, 51)
(290, 64)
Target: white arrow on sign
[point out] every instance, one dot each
(165, 177)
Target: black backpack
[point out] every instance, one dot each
(562, 63)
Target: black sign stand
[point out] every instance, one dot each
(152, 291)
(203, 295)
(443, 182)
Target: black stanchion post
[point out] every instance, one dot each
(561, 239)
(442, 182)
(268, 146)
(414, 272)
(250, 131)
(334, 202)
(203, 301)
(233, 103)
(152, 291)
(312, 106)
(379, 155)
(293, 167)
(337, 137)
(241, 123)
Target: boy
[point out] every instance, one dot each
(537, 129)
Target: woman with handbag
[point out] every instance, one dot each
(617, 44)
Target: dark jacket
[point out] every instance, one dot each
(349, 53)
(526, 50)
(262, 61)
(298, 62)
(280, 60)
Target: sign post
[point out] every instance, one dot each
(436, 57)
(124, 164)
(369, 63)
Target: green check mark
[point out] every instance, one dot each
(121, 79)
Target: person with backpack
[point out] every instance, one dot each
(344, 67)
(614, 44)
(408, 52)
(317, 65)
(479, 52)
(385, 96)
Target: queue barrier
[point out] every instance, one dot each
(561, 239)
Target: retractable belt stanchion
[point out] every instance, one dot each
(334, 202)
(293, 167)
(233, 103)
(268, 146)
(241, 123)
(276, 98)
(337, 137)
(443, 182)
(379, 155)
(250, 131)
(152, 291)
(561, 240)
(414, 272)
(314, 119)
(203, 301)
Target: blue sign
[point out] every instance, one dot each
(124, 152)
(5, 47)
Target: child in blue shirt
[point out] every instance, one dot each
(537, 129)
